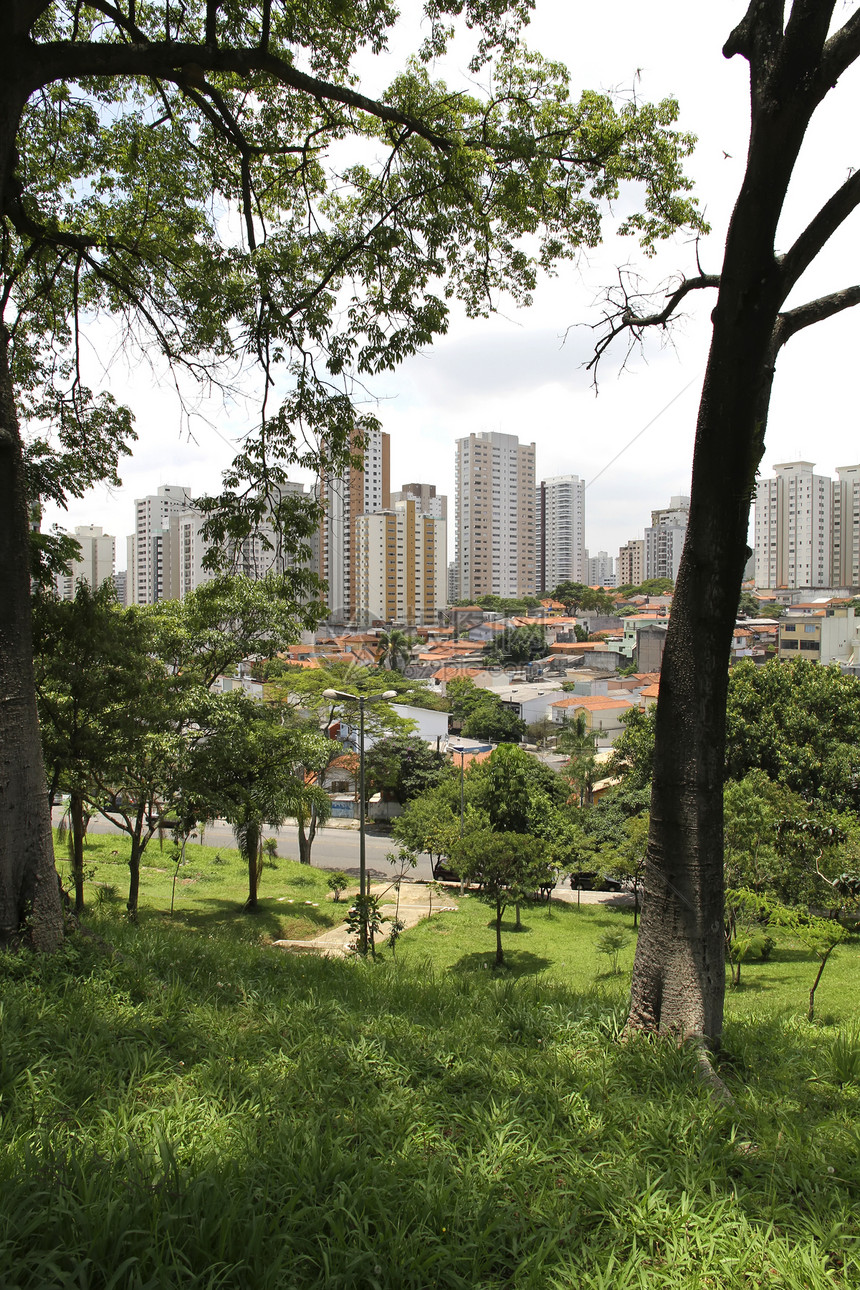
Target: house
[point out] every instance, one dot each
(602, 713)
(821, 635)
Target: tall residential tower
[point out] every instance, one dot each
(496, 550)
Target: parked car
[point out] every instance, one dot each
(591, 880)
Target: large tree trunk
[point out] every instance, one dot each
(679, 971)
(29, 893)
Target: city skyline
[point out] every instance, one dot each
(521, 371)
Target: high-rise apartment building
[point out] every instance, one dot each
(561, 528)
(496, 550)
(345, 497)
(631, 563)
(148, 577)
(429, 503)
(807, 528)
(845, 557)
(94, 565)
(664, 540)
(401, 571)
(186, 548)
(600, 570)
(794, 527)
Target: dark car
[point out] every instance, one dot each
(590, 880)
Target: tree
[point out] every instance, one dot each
(518, 645)
(82, 648)
(317, 755)
(628, 862)
(579, 744)
(429, 825)
(182, 171)
(395, 647)
(222, 622)
(403, 766)
(576, 595)
(482, 714)
(493, 721)
(247, 769)
(795, 60)
(510, 868)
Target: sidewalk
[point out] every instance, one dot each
(414, 905)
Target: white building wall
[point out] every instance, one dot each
(562, 530)
(794, 528)
(95, 564)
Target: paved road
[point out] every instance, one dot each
(336, 847)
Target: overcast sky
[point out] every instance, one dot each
(523, 372)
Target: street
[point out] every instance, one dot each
(336, 847)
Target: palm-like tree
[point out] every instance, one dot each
(579, 743)
(395, 646)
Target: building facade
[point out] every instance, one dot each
(795, 538)
(495, 543)
(401, 571)
(429, 503)
(631, 563)
(148, 575)
(600, 570)
(561, 528)
(345, 497)
(664, 539)
(94, 565)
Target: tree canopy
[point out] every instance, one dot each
(211, 180)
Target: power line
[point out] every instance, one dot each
(641, 432)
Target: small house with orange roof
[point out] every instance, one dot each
(602, 713)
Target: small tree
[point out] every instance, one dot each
(337, 883)
(509, 868)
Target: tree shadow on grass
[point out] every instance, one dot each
(273, 920)
(517, 963)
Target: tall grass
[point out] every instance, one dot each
(184, 1109)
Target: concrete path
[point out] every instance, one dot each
(414, 905)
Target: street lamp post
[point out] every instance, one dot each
(361, 700)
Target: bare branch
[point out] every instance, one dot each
(788, 324)
(624, 318)
(819, 230)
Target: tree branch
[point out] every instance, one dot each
(167, 59)
(819, 230)
(788, 324)
(841, 50)
(762, 18)
(625, 319)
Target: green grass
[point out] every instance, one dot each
(211, 888)
(558, 944)
(182, 1106)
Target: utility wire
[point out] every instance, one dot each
(641, 432)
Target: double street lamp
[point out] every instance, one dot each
(361, 700)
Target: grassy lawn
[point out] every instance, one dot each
(210, 889)
(559, 943)
(183, 1106)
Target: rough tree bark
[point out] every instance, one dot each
(679, 972)
(29, 893)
